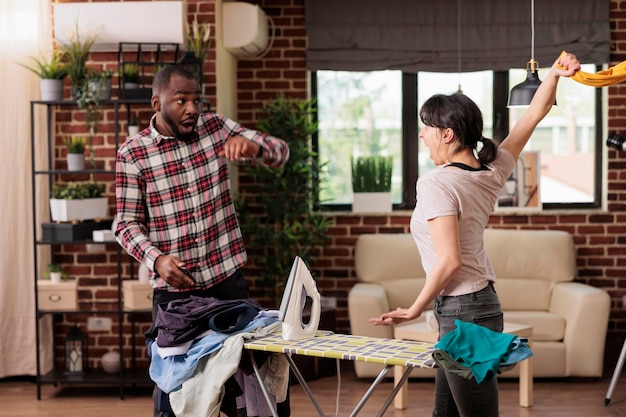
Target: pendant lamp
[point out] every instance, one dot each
(522, 94)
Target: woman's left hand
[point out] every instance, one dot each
(566, 65)
(396, 316)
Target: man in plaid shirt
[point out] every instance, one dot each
(175, 212)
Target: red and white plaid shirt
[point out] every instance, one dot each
(173, 197)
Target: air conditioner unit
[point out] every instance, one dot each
(245, 29)
(115, 22)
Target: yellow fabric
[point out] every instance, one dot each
(611, 76)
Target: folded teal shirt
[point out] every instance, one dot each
(477, 348)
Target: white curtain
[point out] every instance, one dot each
(25, 30)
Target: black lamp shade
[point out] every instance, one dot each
(523, 93)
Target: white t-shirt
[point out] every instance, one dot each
(470, 195)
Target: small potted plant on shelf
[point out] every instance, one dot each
(56, 273)
(51, 71)
(78, 201)
(75, 146)
(133, 126)
(130, 76)
(371, 183)
(99, 83)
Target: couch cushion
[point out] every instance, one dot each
(387, 257)
(531, 254)
(546, 326)
(402, 292)
(523, 294)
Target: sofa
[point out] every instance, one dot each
(535, 281)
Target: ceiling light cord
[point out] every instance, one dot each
(458, 35)
(532, 30)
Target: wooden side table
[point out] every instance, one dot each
(421, 332)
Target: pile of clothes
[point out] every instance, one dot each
(474, 351)
(198, 348)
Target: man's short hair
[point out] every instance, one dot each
(162, 77)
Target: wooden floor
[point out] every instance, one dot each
(554, 398)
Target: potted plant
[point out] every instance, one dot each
(99, 83)
(76, 50)
(290, 222)
(51, 71)
(56, 273)
(371, 183)
(75, 146)
(78, 201)
(130, 75)
(89, 99)
(198, 39)
(133, 126)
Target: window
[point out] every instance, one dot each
(359, 113)
(566, 141)
(377, 113)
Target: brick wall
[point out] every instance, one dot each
(599, 235)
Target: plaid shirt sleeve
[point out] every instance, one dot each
(275, 150)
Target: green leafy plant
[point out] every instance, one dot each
(198, 39)
(57, 268)
(371, 174)
(76, 50)
(99, 75)
(78, 191)
(130, 73)
(89, 98)
(75, 144)
(281, 219)
(51, 68)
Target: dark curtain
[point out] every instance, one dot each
(414, 35)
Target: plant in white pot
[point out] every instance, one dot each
(56, 273)
(75, 146)
(133, 126)
(371, 184)
(51, 71)
(130, 75)
(78, 201)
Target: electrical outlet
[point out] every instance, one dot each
(99, 324)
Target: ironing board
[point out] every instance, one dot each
(390, 352)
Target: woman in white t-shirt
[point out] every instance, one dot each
(453, 206)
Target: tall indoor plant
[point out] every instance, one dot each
(76, 50)
(280, 218)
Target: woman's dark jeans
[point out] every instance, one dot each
(456, 396)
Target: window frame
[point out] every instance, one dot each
(500, 128)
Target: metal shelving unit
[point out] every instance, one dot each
(126, 377)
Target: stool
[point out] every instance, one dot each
(420, 331)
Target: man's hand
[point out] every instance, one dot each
(239, 147)
(168, 268)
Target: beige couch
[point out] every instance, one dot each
(535, 271)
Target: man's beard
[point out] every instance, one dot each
(174, 129)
